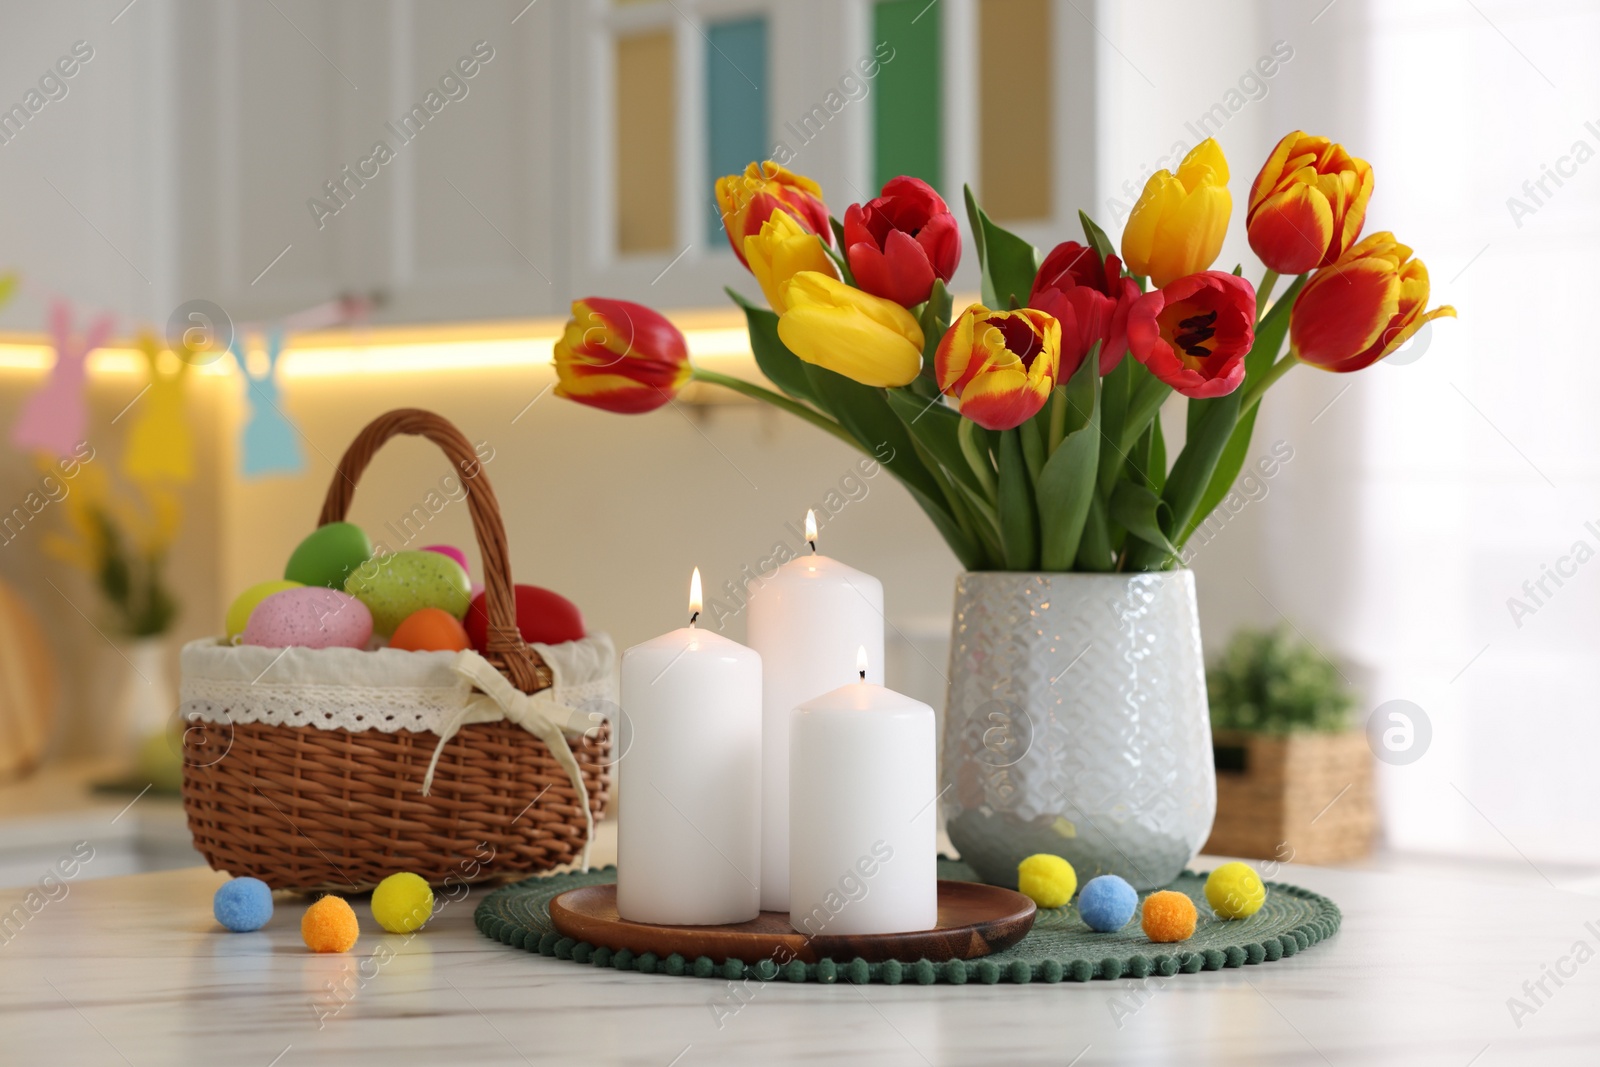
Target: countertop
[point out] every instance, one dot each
(132, 970)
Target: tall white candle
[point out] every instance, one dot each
(688, 833)
(863, 813)
(807, 621)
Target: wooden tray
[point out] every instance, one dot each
(974, 920)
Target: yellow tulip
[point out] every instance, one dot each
(781, 250)
(1177, 226)
(863, 337)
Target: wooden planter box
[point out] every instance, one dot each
(1303, 797)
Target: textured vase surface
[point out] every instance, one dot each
(1077, 724)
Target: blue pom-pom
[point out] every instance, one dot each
(243, 904)
(1107, 903)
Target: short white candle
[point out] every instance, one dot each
(689, 831)
(863, 813)
(807, 621)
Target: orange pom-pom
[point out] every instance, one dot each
(1168, 916)
(330, 925)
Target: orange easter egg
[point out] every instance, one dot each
(430, 630)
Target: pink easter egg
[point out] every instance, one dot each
(312, 616)
(452, 551)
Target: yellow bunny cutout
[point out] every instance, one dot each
(159, 446)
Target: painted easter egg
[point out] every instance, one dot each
(453, 552)
(398, 585)
(243, 604)
(328, 555)
(542, 616)
(309, 617)
(430, 630)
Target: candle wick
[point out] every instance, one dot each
(863, 676)
(692, 617)
(813, 545)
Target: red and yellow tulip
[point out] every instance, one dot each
(620, 356)
(1090, 297)
(1194, 333)
(747, 200)
(1000, 365)
(863, 337)
(1363, 307)
(781, 250)
(1307, 204)
(898, 243)
(1178, 223)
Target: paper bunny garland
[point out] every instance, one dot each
(270, 444)
(56, 418)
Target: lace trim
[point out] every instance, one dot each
(350, 707)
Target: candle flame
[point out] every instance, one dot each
(811, 528)
(696, 601)
(861, 661)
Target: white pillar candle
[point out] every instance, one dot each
(689, 832)
(863, 813)
(807, 621)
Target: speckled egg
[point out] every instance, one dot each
(245, 603)
(313, 616)
(396, 586)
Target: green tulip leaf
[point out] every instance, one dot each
(935, 321)
(1007, 262)
(1145, 398)
(863, 411)
(1066, 484)
(1096, 236)
(1095, 553)
(782, 367)
(1114, 389)
(935, 427)
(966, 547)
(1191, 473)
(1141, 513)
(1018, 521)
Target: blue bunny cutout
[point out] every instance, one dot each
(270, 444)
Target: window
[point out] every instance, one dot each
(908, 108)
(646, 143)
(736, 106)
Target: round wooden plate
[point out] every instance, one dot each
(974, 920)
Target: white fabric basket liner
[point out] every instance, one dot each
(385, 689)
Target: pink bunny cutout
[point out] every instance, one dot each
(55, 417)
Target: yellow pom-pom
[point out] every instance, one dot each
(402, 903)
(1168, 916)
(1234, 891)
(330, 925)
(1049, 881)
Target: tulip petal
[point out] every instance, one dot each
(1004, 397)
(1343, 310)
(1291, 231)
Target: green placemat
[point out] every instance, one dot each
(1058, 948)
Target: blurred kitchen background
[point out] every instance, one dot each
(204, 155)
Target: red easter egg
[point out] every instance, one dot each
(543, 617)
(429, 630)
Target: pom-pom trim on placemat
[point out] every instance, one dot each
(1060, 948)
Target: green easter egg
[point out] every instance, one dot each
(395, 586)
(243, 604)
(328, 555)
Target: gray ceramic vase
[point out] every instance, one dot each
(1077, 724)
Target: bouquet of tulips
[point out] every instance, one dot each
(1022, 426)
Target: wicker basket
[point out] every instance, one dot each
(306, 808)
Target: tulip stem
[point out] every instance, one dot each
(777, 400)
(1253, 395)
(1269, 282)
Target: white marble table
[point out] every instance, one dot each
(133, 970)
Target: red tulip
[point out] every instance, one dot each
(747, 200)
(620, 356)
(1090, 298)
(1194, 333)
(999, 365)
(1307, 204)
(1363, 307)
(900, 242)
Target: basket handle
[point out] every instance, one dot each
(505, 647)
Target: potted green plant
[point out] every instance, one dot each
(1294, 778)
